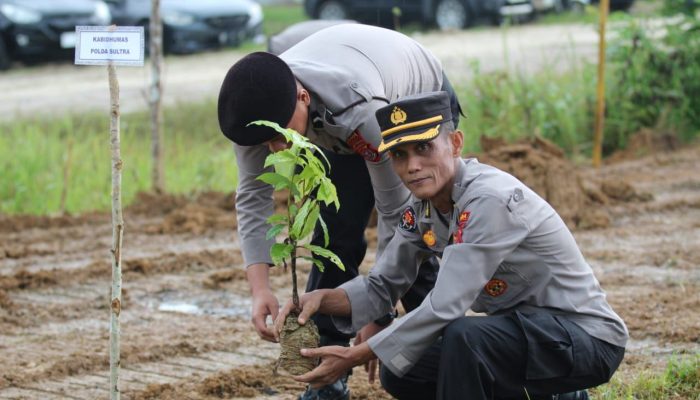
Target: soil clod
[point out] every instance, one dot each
(293, 338)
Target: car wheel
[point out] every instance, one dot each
(332, 10)
(5, 60)
(451, 14)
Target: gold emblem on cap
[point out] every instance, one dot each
(398, 116)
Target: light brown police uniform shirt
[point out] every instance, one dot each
(350, 70)
(503, 248)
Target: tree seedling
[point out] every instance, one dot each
(300, 171)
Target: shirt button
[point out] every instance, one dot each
(354, 85)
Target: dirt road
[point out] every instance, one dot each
(186, 307)
(62, 88)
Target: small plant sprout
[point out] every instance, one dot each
(299, 170)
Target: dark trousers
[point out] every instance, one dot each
(513, 356)
(346, 229)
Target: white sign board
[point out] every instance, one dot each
(101, 45)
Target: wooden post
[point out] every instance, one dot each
(600, 104)
(156, 50)
(117, 231)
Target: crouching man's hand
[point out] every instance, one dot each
(309, 304)
(335, 362)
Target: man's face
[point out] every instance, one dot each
(427, 168)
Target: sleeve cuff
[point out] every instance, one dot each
(388, 350)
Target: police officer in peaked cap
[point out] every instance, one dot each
(504, 252)
(327, 87)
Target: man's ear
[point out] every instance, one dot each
(304, 96)
(457, 141)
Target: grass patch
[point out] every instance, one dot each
(64, 164)
(280, 16)
(679, 381)
(556, 106)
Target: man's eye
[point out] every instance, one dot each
(423, 147)
(395, 154)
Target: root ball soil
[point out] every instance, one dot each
(293, 338)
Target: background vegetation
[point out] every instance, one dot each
(58, 165)
(62, 165)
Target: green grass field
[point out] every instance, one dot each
(55, 165)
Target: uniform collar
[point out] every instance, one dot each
(462, 178)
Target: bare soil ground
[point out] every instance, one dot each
(185, 329)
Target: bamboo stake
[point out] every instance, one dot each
(600, 106)
(117, 231)
(156, 49)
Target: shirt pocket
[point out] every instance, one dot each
(506, 288)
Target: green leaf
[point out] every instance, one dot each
(277, 219)
(315, 261)
(274, 231)
(325, 253)
(280, 157)
(325, 231)
(280, 251)
(311, 220)
(276, 180)
(327, 193)
(299, 219)
(312, 159)
(272, 125)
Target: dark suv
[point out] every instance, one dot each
(445, 14)
(40, 29)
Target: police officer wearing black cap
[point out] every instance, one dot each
(327, 87)
(504, 252)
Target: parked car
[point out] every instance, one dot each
(35, 30)
(445, 14)
(558, 6)
(617, 5)
(193, 26)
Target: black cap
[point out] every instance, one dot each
(260, 86)
(415, 118)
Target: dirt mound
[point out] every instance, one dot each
(162, 264)
(643, 143)
(542, 166)
(185, 214)
(218, 279)
(242, 382)
(19, 223)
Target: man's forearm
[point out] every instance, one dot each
(258, 277)
(335, 302)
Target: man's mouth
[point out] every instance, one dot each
(417, 181)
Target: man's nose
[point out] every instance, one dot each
(413, 163)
